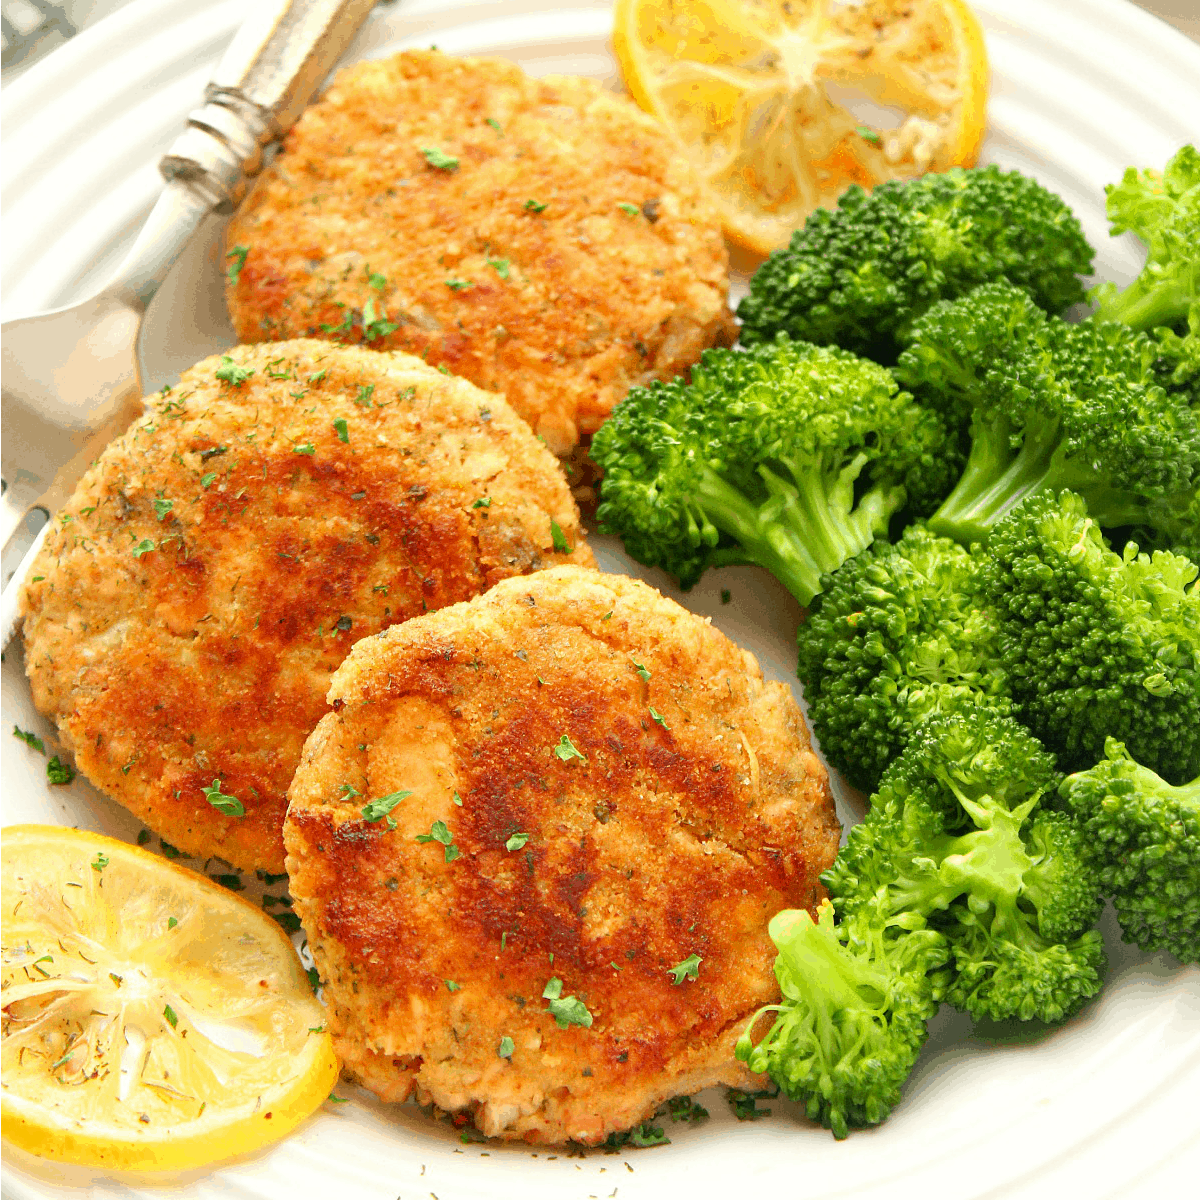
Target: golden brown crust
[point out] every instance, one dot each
(208, 655)
(594, 298)
(668, 838)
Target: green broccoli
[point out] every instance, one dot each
(899, 632)
(857, 999)
(957, 836)
(1053, 406)
(858, 275)
(1144, 837)
(1093, 643)
(790, 456)
(1163, 209)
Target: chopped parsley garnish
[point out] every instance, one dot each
(459, 285)
(229, 372)
(168, 850)
(867, 135)
(346, 325)
(162, 507)
(99, 863)
(688, 969)
(438, 832)
(377, 281)
(30, 739)
(558, 538)
(271, 880)
(143, 837)
(304, 448)
(234, 271)
(457, 799)
(365, 392)
(745, 1104)
(344, 624)
(506, 1047)
(338, 1099)
(232, 882)
(726, 595)
(171, 922)
(640, 669)
(287, 921)
(631, 210)
(534, 206)
(343, 432)
(684, 1108)
(565, 750)
(143, 547)
(206, 481)
(58, 771)
(483, 502)
(495, 125)
(451, 986)
(645, 1134)
(657, 716)
(436, 158)
(231, 806)
(500, 266)
(516, 841)
(607, 616)
(566, 1010)
(377, 810)
(376, 325)
(169, 1013)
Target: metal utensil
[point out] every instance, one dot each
(71, 378)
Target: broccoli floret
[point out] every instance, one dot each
(1144, 837)
(956, 836)
(1052, 406)
(858, 275)
(900, 632)
(1163, 209)
(1096, 644)
(857, 998)
(790, 456)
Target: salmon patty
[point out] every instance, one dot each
(215, 566)
(539, 237)
(535, 847)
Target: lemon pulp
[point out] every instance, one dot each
(152, 1020)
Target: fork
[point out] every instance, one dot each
(71, 377)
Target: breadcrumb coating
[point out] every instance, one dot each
(539, 237)
(594, 804)
(216, 564)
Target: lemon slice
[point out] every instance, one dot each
(758, 93)
(151, 1019)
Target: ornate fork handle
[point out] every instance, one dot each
(71, 377)
(273, 66)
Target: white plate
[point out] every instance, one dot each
(1108, 1104)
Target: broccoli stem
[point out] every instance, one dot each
(829, 979)
(806, 527)
(1142, 307)
(995, 480)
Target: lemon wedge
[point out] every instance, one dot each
(152, 1020)
(759, 94)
